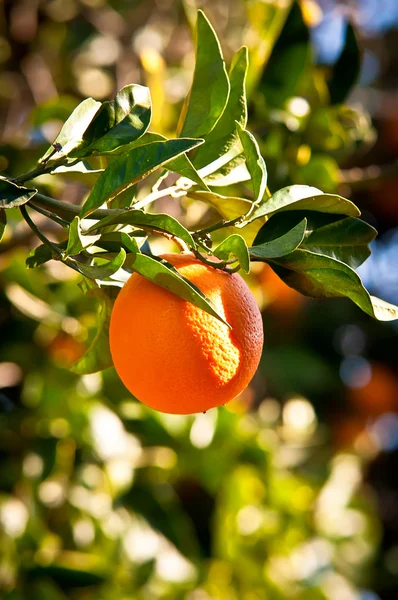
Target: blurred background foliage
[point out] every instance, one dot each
(286, 493)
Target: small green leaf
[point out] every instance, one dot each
(280, 246)
(304, 197)
(38, 256)
(164, 274)
(346, 70)
(255, 163)
(12, 195)
(234, 246)
(209, 92)
(147, 221)
(113, 241)
(320, 276)
(75, 241)
(3, 222)
(118, 122)
(100, 271)
(98, 356)
(183, 166)
(125, 171)
(71, 134)
(224, 135)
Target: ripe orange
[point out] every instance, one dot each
(174, 356)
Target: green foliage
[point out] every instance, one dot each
(97, 489)
(298, 229)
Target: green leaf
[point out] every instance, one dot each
(320, 276)
(3, 222)
(227, 170)
(164, 274)
(118, 122)
(100, 271)
(114, 241)
(209, 92)
(38, 256)
(255, 163)
(234, 246)
(280, 246)
(127, 170)
(81, 166)
(12, 195)
(344, 239)
(71, 134)
(224, 135)
(151, 222)
(346, 70)
(98, 356)
(183, 166)
(288, 62)
(75, 241)
(231, 208)
(304, 197)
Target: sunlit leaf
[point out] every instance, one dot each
(209, 92)
(12, 195)
(127, 170)
(3, 222)
(224, 135)
(117, 122)
(304, 197)
(71, 134)
(234, 246)
(255, 163)
(75, 241)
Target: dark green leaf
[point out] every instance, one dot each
(38, 256)
(288, 61)
(3, 222)
(255, 163)
(279, 246)
(12, 195)
(304, 197)
(98, 356)
(234, 246)
(75, 242)
(209, 92)
(164, 274)
(147, 221)
(101, 271)
(118, 122)
(71, 134)
(344, 239)
(346, 69)
(224, 135)
(320, 276)
(127, 170)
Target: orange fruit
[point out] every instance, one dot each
(177, 358)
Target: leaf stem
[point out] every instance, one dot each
(55, 251)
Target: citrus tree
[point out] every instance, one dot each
(112, 482)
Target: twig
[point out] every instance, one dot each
(55, 251)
